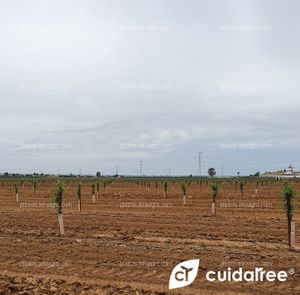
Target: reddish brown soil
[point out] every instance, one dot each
(112, 249)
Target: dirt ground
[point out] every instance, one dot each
(132, 238)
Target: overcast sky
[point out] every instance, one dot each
(95, 84)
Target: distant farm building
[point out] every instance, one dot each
(286, 173)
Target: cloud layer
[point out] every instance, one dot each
(79, 79)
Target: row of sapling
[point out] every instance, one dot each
(288, 194)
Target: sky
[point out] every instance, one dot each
(92, 85)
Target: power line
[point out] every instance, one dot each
(141, 168)
(199, 163)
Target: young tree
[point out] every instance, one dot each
(256, 188)
(288, 194)
(156, 186)
(104, 185)
(242, 188)
(165, 189)
(34, 186)
(214, 194)
(78, 193)
(58, 198)
(183, 188)
(98, 188)
(93, 193)
(16, 192)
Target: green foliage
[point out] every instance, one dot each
(288, 194)
(242, 184)
(211, 172)
(78, 191)
(183, 188)
(214, 190)
(166, 185)
(58, 197)
(93, 188)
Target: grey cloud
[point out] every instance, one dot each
(97, 74)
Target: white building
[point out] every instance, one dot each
(286, 173)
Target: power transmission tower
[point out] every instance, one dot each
(117, 170)
(141, 168)
(222, 169)
(199, 163)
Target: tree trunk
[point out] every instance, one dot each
(213, 208)
(79, 205)
(165, 195)
(93, 199)
(184, 200)
(17, 197)
(61, 224)
(292, 233)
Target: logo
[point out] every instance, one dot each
(184, 274)
(256, 275)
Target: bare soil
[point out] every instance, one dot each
(131, 239)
